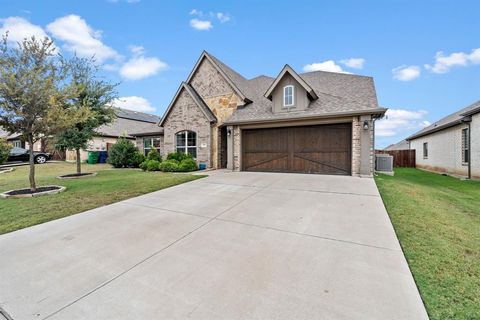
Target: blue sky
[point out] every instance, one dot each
(424, 55)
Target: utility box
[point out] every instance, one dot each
(384, 163)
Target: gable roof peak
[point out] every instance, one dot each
(311, 93)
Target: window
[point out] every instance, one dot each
(149, 143)
(465, 146)
(16, 143)
(425, 150)
(186, 142)
(288, 96)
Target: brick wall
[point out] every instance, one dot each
(356, 147)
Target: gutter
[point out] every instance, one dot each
(379, 111)
(439, 128)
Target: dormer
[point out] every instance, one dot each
(289, 92)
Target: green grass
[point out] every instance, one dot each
(437, 219)
(109, 186)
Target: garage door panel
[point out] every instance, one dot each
(308, 149)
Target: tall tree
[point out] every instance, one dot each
(94, 95)
(33, 92)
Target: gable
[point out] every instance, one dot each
(300, 99)
(287, 70)
(208, 81)
(183, 110)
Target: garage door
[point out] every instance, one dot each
(308, 149)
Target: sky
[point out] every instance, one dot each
(423, 55)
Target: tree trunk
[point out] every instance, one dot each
(79, 161)
(31, 176)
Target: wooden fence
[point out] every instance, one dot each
(401, 158)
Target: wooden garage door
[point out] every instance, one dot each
(308, 149)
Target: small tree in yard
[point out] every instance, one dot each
(89, 93)
(123, 153)
(4, 150)
(33, 92)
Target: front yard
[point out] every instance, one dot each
(437, 220)
(109, 186)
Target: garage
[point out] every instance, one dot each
(321, 149)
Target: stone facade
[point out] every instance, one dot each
(186, 115)
(139, 143)
(356, 147)
(208, 82)
(237, 148)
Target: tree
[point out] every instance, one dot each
(93, 94)
(4, 150)
(33, 92)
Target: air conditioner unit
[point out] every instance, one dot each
(384, 163)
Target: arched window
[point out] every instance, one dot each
(288, 96)
(186, 142)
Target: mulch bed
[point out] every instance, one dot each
(28, 191)
(77, 175)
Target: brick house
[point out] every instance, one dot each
(315, 122)
(451, 145)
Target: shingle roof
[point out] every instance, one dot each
(129, 122)
(448, 121)
(337, 93)
(401, 145)
(136, 115)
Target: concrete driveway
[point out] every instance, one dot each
(230, 246)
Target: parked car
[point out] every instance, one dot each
(21, 154)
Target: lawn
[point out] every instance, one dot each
(109, 186)
(437, 219)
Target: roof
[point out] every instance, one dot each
(129, 122)
(401, 145)
(448, 121)
(6, 135)
(196, 98)
(338, 94)
(287, 68)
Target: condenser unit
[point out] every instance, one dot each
(384, 163)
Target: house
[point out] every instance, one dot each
(16, 140)
(401, 145)
(451, 145)
(126, 122)
(314, 122)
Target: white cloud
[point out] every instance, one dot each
(328, 65)
(356, 63)
(139, 66)
(201, 24)
(80, 38)
(223, 17)
(134, 103)
(20, 28)
(444, 63)
(397, 121)
(406, 73)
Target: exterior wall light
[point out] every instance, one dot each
(365, 125)
(229, 132)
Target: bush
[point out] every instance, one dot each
(4, 150)
(179, 156)
(187, 165)
(169, 165)
(144, 165)
(122, 154)
(153, 154)
(153, 165)
(138, 159)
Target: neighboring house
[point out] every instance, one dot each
(16, 140)
(401, 145)
(126, 123)
(315, 122)
(451, 145)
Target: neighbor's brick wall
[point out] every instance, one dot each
(186, 115)
(356, 147)
(444, 151)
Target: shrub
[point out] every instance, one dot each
(153, 165)
(4, 150)
(143, 165)
(187, 165)
(179, 156)
(153, 154)
(138, 159)
(169, 165)
(122, 154)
